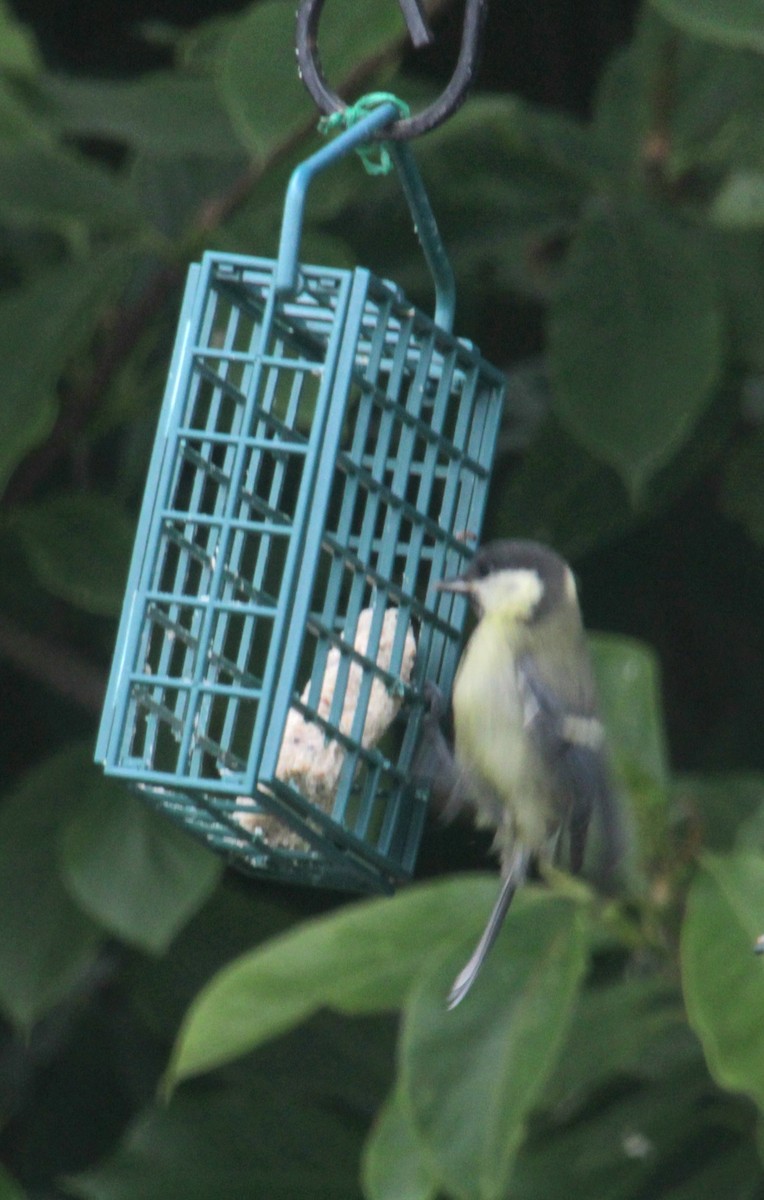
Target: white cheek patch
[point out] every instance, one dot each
(514, 592)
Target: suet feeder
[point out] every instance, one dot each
(323, 449)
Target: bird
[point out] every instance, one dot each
(529, 756)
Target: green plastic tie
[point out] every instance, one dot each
(375, 156)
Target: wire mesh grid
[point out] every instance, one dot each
(318, 459)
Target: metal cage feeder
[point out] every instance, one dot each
(322, 445)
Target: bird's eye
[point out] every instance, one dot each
(480, 568)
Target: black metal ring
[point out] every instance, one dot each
(309, 63)
(417, 24)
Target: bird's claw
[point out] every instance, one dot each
(435, 704)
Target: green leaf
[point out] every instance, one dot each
(259, 84)
(9, 1189)
(131, 870)
(18, 126)
(727, 809)
(738, 23)
(746, 792)
(732, 1171)
(18, 49)
(361, 959)
(539, 162)
(229, 924)
(717, 426)
(684, 116)
(634, 339)
(739, 203)
(45, 186)
(629, 684)
(164, 113)
(198, 47)
(621, 113)
(760, 1138)
(638, 1028)
(42, 325)
(258, 1143)
(472, 1076)
(79, 548)
(713, 125)
(722, 977)
(655, 1140)
(46, 941)
(628, 681)
(742, 491)
(740, 268)
(394, 1163)
(173, 190)
(587, 507)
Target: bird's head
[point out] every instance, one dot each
(522, 581)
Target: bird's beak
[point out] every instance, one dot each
(454, 585)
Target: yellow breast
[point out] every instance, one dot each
(492, 744)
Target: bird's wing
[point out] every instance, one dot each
(434, 762)
(571, 745)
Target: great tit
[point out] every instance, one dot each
(529, 755)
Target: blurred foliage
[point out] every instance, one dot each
(172, 1031)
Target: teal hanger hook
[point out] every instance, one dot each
(413, 189)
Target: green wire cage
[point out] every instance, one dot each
(323, 450)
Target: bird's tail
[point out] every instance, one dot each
(515, 875)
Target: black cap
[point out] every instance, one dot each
(518, 555)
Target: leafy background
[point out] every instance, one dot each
(173, 1032)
